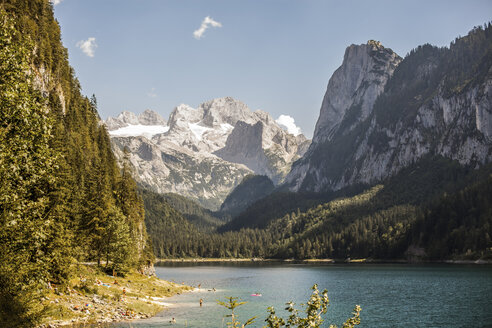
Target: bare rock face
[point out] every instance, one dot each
(376, 120)
(354, 87)
(349, 98)
(264, 148)
(126, 118)
(149, 117)
(165, 167)
(244, 145)
(204, 153)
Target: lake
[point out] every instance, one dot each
(391, 295)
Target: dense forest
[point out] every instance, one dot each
(432, 210)
(63, 197)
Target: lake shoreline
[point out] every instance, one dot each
(94, 297)
(319, 261)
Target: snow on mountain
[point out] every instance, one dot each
(131, 130)
(198, 130)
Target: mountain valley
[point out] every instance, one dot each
(395, 139)
(399, 169)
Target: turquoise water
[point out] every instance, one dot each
(390, 295)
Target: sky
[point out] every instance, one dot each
(274, 55)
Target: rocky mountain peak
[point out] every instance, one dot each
(225, 110)
(354, 87)
(182, 115)
(127, 118)
(149, 117)
(375, 44)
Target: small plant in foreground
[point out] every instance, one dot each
(316, 306)
(231, 304)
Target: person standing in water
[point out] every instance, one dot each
(201, 302)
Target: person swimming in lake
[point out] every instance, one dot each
(172, 321)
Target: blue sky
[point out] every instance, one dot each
(275, 55)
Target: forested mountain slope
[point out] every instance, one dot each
(62, 196)
(433, 210)
(174, 236)
(202, 218)
(252, 188)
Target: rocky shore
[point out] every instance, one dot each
(97, 298)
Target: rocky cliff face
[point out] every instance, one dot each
(354, 87)
(204, 153)
(349, 99)
(396, 116)
(263, 147)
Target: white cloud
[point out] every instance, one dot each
(152, 93)
(207, 22)
(88, 46)
(287, 123)
(56, 2)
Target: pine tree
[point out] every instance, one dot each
(31, 229)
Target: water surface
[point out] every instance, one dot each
(395, 295)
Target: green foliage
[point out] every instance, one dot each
(117, 242)
(30, 225)
(62, 194)
(131, 204)
(231, 304)
(354, 320)
(202, 218)
(274, 206)
(99, 202)
(173, 236)
(458, 225)
(316, 306)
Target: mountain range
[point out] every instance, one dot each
(399, 166)
(204, 153)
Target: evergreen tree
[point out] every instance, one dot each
(31, 229)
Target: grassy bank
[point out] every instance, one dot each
(95, 297)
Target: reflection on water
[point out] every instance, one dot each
(390, 295)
